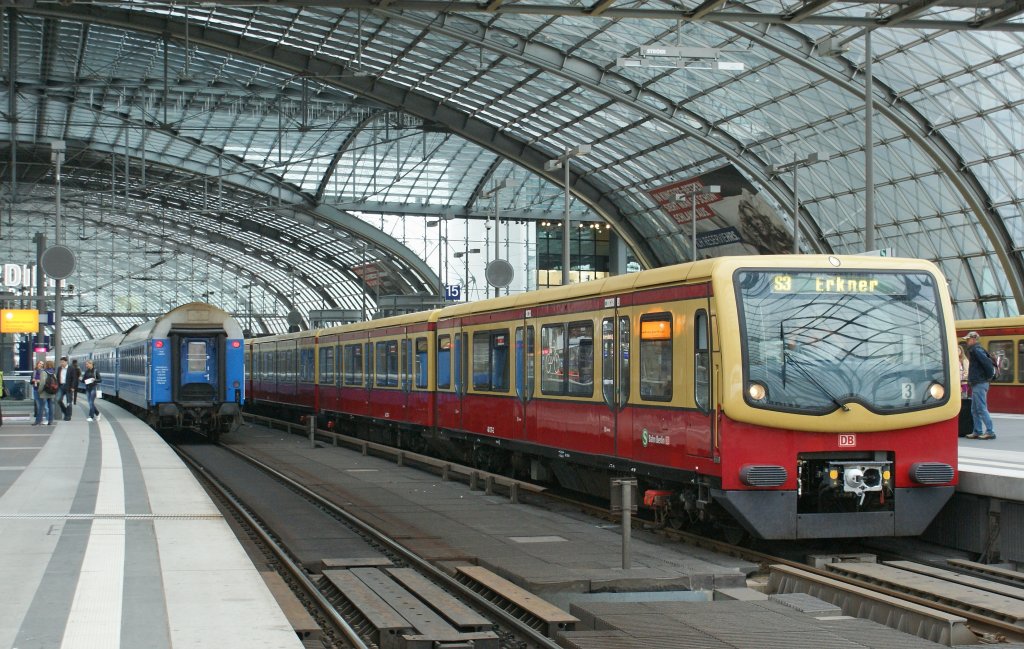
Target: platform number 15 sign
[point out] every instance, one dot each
(452, 293)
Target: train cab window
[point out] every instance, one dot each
(326, 365)
(530, 363)
(491, 361)
(701, 362)
(444, 362)
(1020, 362)
(1002, 351)
(353, 364)
(387, 364)
(656, 357)
(420, 363)
(624, 342)
(197, 356)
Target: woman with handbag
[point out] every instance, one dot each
(92, 379)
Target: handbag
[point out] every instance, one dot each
(99, 393)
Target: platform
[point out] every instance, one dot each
(107, 541)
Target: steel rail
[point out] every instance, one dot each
(422, 564)
(311, 589)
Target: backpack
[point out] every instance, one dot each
(995, 365)
(50, 384)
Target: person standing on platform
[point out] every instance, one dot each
(92, 379)
(47, 390)
(3, 393)
(980, 373)
(74, 377)
(64, 388)
(36, 381)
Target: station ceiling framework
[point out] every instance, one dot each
(241, 153)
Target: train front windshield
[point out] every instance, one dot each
(815, 341)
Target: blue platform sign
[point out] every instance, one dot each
(452, 293)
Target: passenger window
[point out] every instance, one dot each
(581, 359)
(490, 361)
(444, 362)
(531, 361)
(387, 364)
(702, 362)
(552, 348)
(1002, 352)
(353, 364)
(656, 357)
(420, 363)
(197, 356)
(327, 365)
(1020, 361)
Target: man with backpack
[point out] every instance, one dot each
(47, 389)
(982, 371)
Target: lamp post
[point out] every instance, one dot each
(465, 256)
(493, 191)
(440, 257)
(57, 149)
(562, 162)
(776, 170)
(692, 195)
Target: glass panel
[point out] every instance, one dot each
(1002, 352)
(420, 363)
(608, 361)
(552, 350)
(656, 357)
(581, 359)
(701, 362)
(531, 361)
(624, 353)
(197, 356)
(817, 340)
(353, 364)
(444, 362)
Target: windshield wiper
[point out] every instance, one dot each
(786, 360)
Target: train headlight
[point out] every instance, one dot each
(757, 391)
(936, 391)
(833, 474)
(886, 475)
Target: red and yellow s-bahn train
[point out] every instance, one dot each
(800, 396)
(1004, 340)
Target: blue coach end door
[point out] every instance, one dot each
(198, 369)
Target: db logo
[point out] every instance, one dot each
(848, 440)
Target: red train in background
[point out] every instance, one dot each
(1004, 340)
(793, 396)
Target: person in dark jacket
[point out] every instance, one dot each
(45, 397)
(74, 376)
(64, 388)
(92, 379)
(978, 376)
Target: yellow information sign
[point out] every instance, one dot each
(19, 321)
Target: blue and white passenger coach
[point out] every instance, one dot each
(184, 370)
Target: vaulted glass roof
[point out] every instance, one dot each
(278, 160)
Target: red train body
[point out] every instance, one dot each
(1004, 339)
(803, 396)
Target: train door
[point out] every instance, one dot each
(524, 379)
(199, 367)
(460, 376)
(615, 353)
(405, 373)
(701, 433)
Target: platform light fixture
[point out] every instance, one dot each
(776, 170)
(692, 195)
(562, 162)
(679, 56)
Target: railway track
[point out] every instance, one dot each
(398, 600)
(919, 599)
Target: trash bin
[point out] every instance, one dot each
(966, 423)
